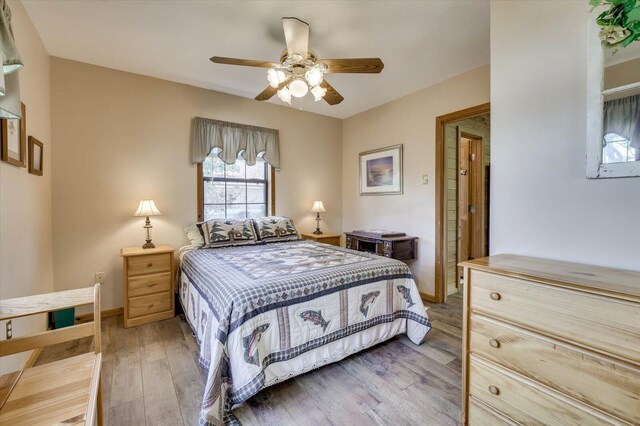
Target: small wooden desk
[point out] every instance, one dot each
(400, 248)
(333, 239)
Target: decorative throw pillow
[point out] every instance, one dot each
(193, 234)
(227, 232)
(275, 229)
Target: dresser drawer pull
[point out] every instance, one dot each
(495, 295)
(152, 285)
(149, 265)
(151, 306)
(494, 390)
(494, 343)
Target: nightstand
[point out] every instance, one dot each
(148, 284)
(333, 239)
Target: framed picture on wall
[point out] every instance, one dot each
(35, 156)
(14, 147)
(381, 171)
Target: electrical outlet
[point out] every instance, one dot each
(425, 179)
(100, 277)
(9, 334)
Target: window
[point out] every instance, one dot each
(233, 191)
(618, 149)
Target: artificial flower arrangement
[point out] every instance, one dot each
(620, 22)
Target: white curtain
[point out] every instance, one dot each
(232, 139)
(11, 63)
(622, 117)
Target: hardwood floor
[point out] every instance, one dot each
(151, 376)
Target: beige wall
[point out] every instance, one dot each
(409, 121)
(541, 202)
(123, 137)
(25, 216)
(622, 74)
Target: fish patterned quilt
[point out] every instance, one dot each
(265, 313)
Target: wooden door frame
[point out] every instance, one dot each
(441, 254)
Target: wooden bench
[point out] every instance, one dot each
(61, 392)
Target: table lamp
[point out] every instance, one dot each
(147, 208)
(317, 209)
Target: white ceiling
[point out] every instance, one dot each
(420, 42)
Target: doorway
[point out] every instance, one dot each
(463, 161)
(473, 232)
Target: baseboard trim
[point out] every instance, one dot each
(427, 297)
(104, 314)
(32, 358)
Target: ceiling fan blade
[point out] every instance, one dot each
(332, 97)
(244, 62)
(268, 93)
(354, 65)
(296, 32)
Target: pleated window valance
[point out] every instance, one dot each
(233, 139)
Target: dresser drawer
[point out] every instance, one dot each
(607, 324)
(522, 402)
(594, 380)
(482, 415)
(145, 305)
(149, 264)
(149, 284)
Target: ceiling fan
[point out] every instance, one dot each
(300, 71)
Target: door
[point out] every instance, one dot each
(472, 233)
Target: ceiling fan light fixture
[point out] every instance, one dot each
(275, 77)
(296, 58)
(285, 95)
(299, 70)
(298, 88)
(318, 93)
(314, 76)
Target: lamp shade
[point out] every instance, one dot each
(298, 88)
(147, 208)
(318, 207)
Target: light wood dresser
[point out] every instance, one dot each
(148, 284)
(550, 343)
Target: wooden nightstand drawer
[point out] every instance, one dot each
(333, 239)
(149, 264)
(149, 284)
(146, 305)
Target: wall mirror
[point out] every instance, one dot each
(613, 109)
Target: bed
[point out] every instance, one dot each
(262, 314)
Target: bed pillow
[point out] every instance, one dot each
(193, 234)
(227, 232)
(275, 229)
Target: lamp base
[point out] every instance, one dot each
(147, 227)
(317, 231)
(148, 245)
